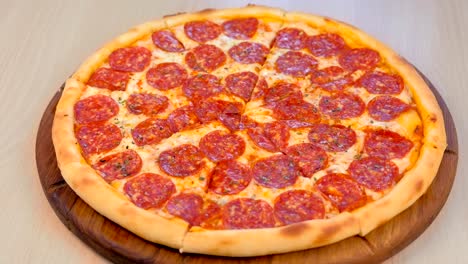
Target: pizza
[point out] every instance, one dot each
(247, 131)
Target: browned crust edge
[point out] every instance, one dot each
(251, 10)
(255, 242)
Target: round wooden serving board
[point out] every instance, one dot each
(121, 246)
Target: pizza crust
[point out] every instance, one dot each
(265, 241)
(251, 10)
(174, 232)
(65, 143)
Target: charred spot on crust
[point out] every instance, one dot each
(134, 29)
(85, 182)
(225, 242)
(294, 229)
(433, 118)
(206, 10)
(418, 186)
(329, 231)
(125, 209)
(175, 14)
(418, 130)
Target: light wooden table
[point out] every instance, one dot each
(44, 41)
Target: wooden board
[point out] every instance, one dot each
(121, 246)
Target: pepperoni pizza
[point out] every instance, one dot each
(247, 131)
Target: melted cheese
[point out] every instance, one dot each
(406, 124)
(150, 153)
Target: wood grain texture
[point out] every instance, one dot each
(121, 246)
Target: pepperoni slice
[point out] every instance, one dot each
(297, 124)
(131, 59)
(296, 110)
(260, 139)
(202, 31)
(149, 190)
(146, 104)
(219, 145)
(382, 83)
(332, 138)
(296, 64)
(181, 161)
(232, 121)
(246, 123)
(96, 108)
(231, 116)
(278, 134)
(209, 110)
(229, 177)
(151, 131)
(359, 59)
(332, 79)
(247, 213)
(386, 144)
(227, 112)
(248, 53)
(271, 136)
(344, 193)
(386, 108)
(119, 165)
(241, 84)
(109, 79)
(374, 173)
(342, 106)
(308, 158)
(282, 91)
(210, 216)
(98, 138)
(326, 45)
(187, 206)
(276, 171)
(202, 86)
(241, 28)
(166, 40)
(232, 107)
(298, 205)
(260, 89)
(182, 118)
(205, 58)
(291, 38)
(166, 76)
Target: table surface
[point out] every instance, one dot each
(44, 42)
